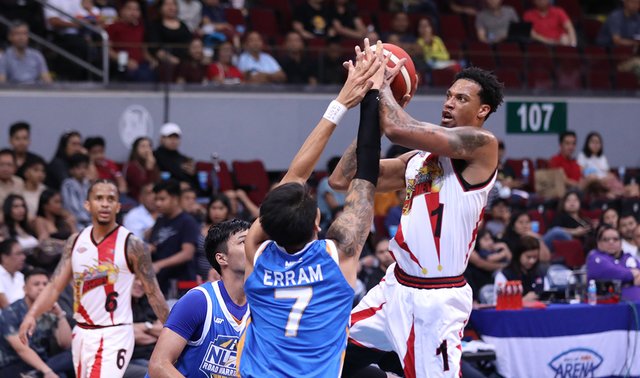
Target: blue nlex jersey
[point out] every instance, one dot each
(300, 306)
(213, 352)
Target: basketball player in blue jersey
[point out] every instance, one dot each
(201, 335)
(300, 288)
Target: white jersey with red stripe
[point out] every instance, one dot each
(102, 279)
(440, 217)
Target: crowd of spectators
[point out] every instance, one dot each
(304, 41)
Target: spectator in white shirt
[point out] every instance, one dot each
(627, 226)
(141, 218)
(11, 279)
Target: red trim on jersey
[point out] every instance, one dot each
(365, 314)
(93, 326)
(109, 234)
(79, 369)
(83, 312)
(474, 235)
(427, 283)
(432, 200)
(97, 363)
(459, 347)
(410, 357)
(106, 253)
(399, 238)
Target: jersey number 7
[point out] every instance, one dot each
(302, 295)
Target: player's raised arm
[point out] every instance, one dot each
(140, 259)
(468, 143)
(357, 84)
(59, 280)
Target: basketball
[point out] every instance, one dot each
(406, 81)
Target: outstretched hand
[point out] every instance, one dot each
(358, 81)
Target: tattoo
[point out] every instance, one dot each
(349, 162)
(391, 112)
(140, 259)
(352, 227)
(467, 141)
(65, 259)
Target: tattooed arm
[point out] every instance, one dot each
(475, 145)
(45, 301)
(391, 171)
(351, 228)
(140, 259)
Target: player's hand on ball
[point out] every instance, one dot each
(358, 79)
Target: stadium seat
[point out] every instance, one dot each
(540, 79)
(284, 12)
(536, 216)
(597, 58)
(264, 21)
(516, 166)
(569, 67)
(234, 16)
(510, 77)
(591, 27)
(371, 6)
(481, 55)
(599, 80)
(593, 215)
(442, 78)
(572, 8)
(539, 57)
(253, 178)
(542, 163)
(510, 55)
(453, 28)
(517, 5)
(383, 20)
(571, 251)
(626, 80)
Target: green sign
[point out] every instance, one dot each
(536, 117)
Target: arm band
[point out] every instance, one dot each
(335, 111)
(368, 144)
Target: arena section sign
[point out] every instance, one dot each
(536, 117)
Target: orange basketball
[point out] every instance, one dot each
(406, 82)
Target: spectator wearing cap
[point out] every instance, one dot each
(74, 189)
(21, 64)
(170, 160)
(100, 167)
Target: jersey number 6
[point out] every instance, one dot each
(302, 295)
(111, 303)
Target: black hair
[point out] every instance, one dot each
(9, 221)
(6, 151)
(35, 272)
(601, 222)
(604, 227)
(102, 181)
(77, 160)
(6, 245)
(626, 214)
(215, 198)
(524, 244)
(133, 155)
(500, 144)
(288, 215)
(91, 142)
(561, 209)
(565, 134)
(63, 142)
(217, 238)
(490, 88)
(13, 129)
(481, 233)
(45, 197)
(585, 149)
(30, 162)
(171, 186)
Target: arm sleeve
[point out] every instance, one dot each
(188, 315)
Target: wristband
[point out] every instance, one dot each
(335, 111)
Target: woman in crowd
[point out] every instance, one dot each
(595, 168)
(218, 211)
(608, 262)
(567, 223)
(141, 169)
(223, 71)
(16, 224)
(434, 52)
(519, 226)
(610, 217)
(53, 224)
(168, 39)
(487, 258)
(70, 143)
(525, 267)
(193, 69)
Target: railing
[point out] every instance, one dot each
(104, 72)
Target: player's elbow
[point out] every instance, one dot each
(392, 131)
(156, 366)
(338, 182)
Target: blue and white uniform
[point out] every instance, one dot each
(210, 321)
(300, 305)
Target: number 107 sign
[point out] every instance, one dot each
(536, 117)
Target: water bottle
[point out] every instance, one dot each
(525, 172)
(622, 170)
(592, 293)
(215, 180)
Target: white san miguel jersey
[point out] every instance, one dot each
(102, 279)
(440, 217)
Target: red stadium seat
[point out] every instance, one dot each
(593, 215)
(371, 6)
(536, 216)
(571, 251)
(442, 78)
(597, 58)
(540, 79)
(252, 176)
(626, 80)
(569, 71)
(599, 80)
(516, 166)
(510, 55)
(453, 28)
(510, 77)
(591, 28)
(284, 12)
(539, 57)
(225, 181)
(481, 55)
(234, 16)
(264, 21)
(572, 8)
(517, 5)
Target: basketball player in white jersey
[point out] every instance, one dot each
(102, 261)
(420, 308)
